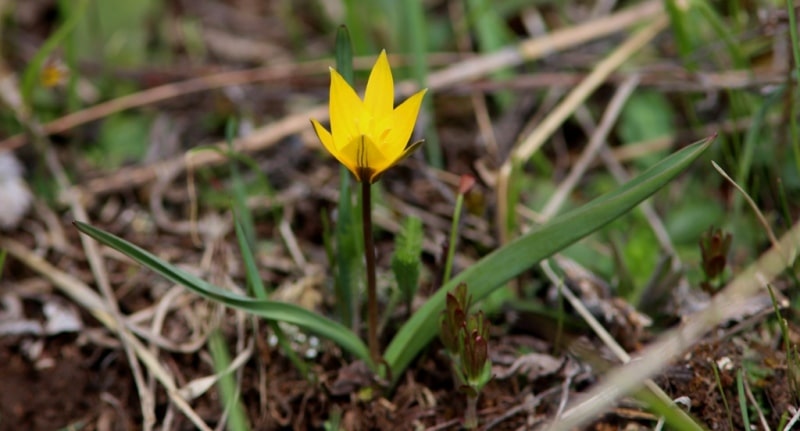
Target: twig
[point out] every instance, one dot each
(539, 47)
(596, 142)
(45, 150)
(621, 176)
(626, 378)
(667, 79)
(599, 330)
(749, 393)
(587, 316)
(291, 240)
(260, 139)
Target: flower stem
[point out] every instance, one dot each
(369, 253)
(451, 246)
(471, 413)
(466, 183)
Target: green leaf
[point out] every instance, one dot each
(348, 258)
(344, 54)
(673, 416)
(502, 265)
(274, 310)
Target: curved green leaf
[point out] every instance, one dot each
(275, 310)
(503, 264)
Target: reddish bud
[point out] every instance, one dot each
(465, 184)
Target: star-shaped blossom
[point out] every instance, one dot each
(369, 136)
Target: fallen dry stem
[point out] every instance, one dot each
(538, 47)
(182, 88)
(596, 143)
(56, 169)
(627, 378)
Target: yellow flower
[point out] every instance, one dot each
(369, 136)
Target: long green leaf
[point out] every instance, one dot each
(274, 310)
(348, 258)
(506, 263)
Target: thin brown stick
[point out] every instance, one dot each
(596, 142)
(171, 90)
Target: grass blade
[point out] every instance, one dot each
(229, 392)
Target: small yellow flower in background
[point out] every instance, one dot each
(54, 73)
(369, 136)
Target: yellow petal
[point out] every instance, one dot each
(367, 156)
(378, 161)
(410, 148)
(345, 108)
(369, 136)
(325, 137)
(403, 119)
(379, 97)
(327, 141)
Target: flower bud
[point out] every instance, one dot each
(714, 247)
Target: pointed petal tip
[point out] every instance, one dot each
(323, 134)
(421, 92)
(379, 95)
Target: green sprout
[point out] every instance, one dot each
(465, 338)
